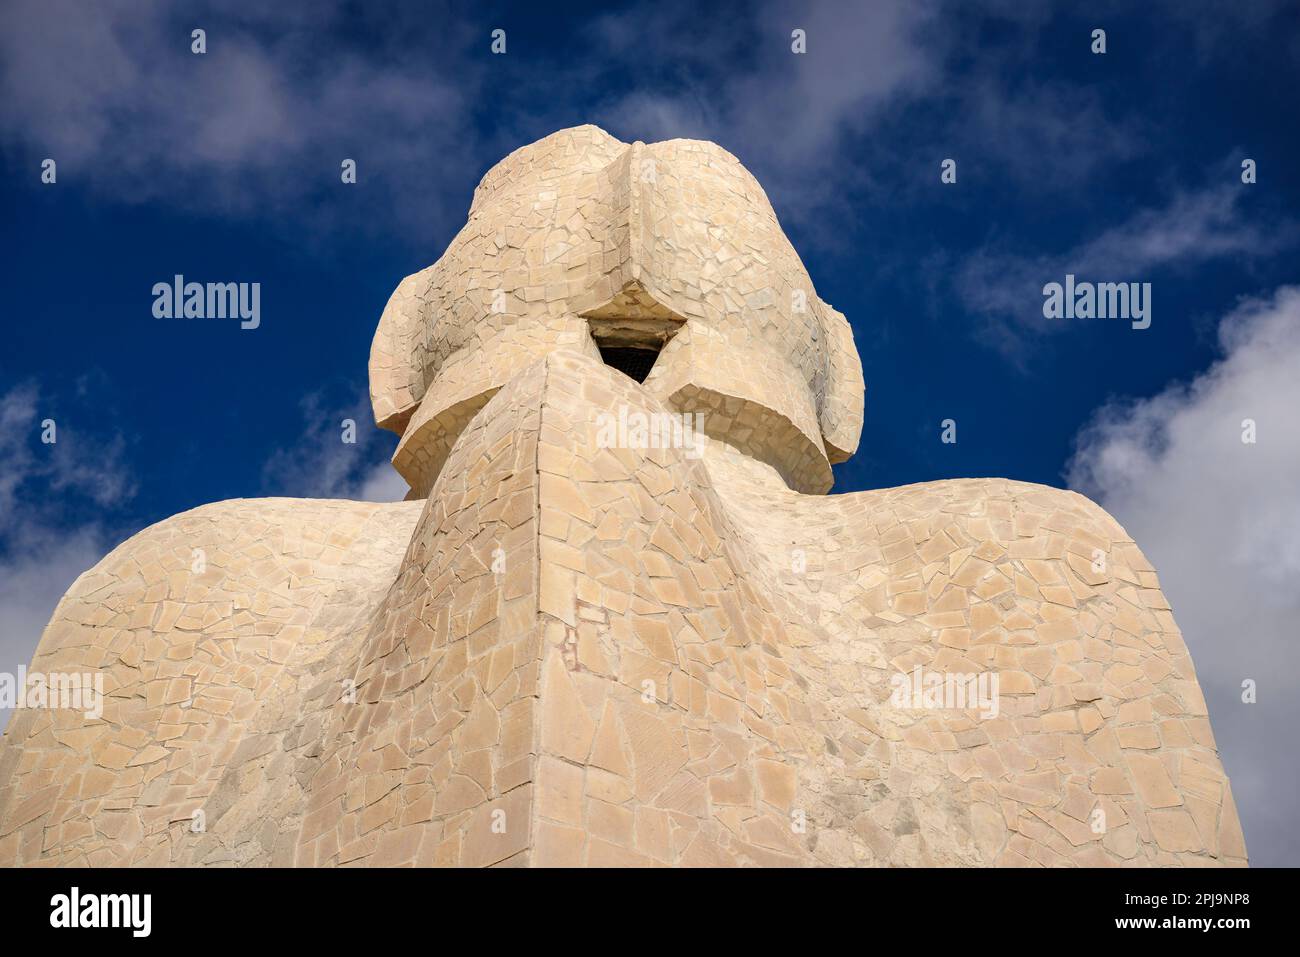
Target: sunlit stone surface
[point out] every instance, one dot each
(564, 650)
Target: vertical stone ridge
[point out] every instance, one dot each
(634, 224)
(530, 848)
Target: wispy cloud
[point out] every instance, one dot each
(114, 94)
(1038, 134)
(787, 116)
(1194, 227)
(41, 552)
(283, 95)
(286, 91)
(58, 502)
(73, 463)
(1220, 519)
(321, 464)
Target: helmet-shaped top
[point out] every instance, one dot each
(665, 256)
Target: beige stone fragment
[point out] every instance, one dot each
(1152, 780)
(567, 728)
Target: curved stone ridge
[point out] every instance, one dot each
(573, 651)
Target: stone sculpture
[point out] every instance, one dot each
(567, 649)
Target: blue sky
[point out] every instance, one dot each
(1118, 167)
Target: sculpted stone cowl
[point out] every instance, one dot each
(567, 649)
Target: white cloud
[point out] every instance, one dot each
(114, 94)
(1220, 520)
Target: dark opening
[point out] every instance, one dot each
(630, 361)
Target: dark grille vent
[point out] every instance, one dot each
(632, 362)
